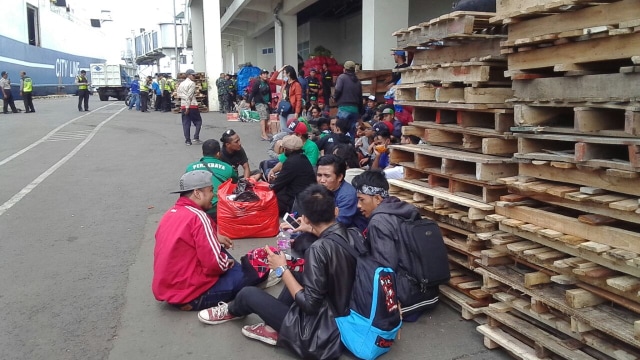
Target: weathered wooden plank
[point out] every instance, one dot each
(579, 87)
(608, 48)
(489, 48)
(596, 178)
(441, 194)
(607, 14)
(487, 95)
(614, 237)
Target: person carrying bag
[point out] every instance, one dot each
(291, 96)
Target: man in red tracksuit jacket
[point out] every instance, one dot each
(191, 269)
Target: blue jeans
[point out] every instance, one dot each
(135, 99)
(225, 289)
(353, 119)
(193, 117)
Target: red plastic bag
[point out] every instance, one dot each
(239, 220)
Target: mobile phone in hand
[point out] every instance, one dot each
(291, 220)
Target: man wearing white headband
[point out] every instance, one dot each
(391, 246)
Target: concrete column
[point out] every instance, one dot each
(286, 48)
(380, 18)
(197, 35)
(248, 51)
(213, 47)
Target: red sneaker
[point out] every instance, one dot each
(217, 314)
(261, 332)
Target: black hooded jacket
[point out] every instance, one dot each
(348, 90)
(384, 241)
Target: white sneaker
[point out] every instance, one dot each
(272, 280)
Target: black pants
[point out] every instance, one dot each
(8, 101)
(166, 100)
(205, 101)
(27, 97)
(193, 117)
(83, 96)
(158, 102)
(251, 300)
(144, 101)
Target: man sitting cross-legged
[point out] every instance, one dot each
(326, 281)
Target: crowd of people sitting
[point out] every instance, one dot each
(332, 173)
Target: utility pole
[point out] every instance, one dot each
(175, 39)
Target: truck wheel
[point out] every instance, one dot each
(103, 97)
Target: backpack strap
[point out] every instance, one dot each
(340, 240)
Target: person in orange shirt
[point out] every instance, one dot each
(290, 92)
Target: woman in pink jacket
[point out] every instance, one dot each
(290, 90)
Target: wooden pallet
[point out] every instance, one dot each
(512, 11)
(459, 25)
(458, 95)
(374, 82)
(621, 181)
(467, 165)
(494, 123)
(621, 289)
(450, 216)
(487, 50)
(570, 56)
(560, 38)
(577, 120)
(463, 294)
(455, 137)
(620, 14)
(585, 310)
(593, 151)
(585, 199)
(544, 317)
(613, 237)
(470, 73)
(533, 342)
(432, 178)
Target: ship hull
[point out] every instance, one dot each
(53, 72)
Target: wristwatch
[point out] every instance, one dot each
(280, 270)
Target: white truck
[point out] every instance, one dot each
(112, 80)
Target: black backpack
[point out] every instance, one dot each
(374, 319)
(422, 253)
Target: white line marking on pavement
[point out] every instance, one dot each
(44, 138)
(27, 189)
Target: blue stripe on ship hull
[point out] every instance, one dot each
(52, 72)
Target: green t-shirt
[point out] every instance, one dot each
(221, 173)
(310, 150)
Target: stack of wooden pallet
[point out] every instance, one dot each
(567, 279)
(457, 87)
(199, 78)
(374, 82)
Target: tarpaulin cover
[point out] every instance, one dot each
(244, 77)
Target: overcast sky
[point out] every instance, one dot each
(127, 15)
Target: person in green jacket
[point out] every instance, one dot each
(220, 170)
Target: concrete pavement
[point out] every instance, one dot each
(78, 212)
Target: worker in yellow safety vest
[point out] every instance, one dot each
(144, 94)
(205, 91)
(83, 90)
(26, 91)
(166, 94)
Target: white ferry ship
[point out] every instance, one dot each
(47, 40)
